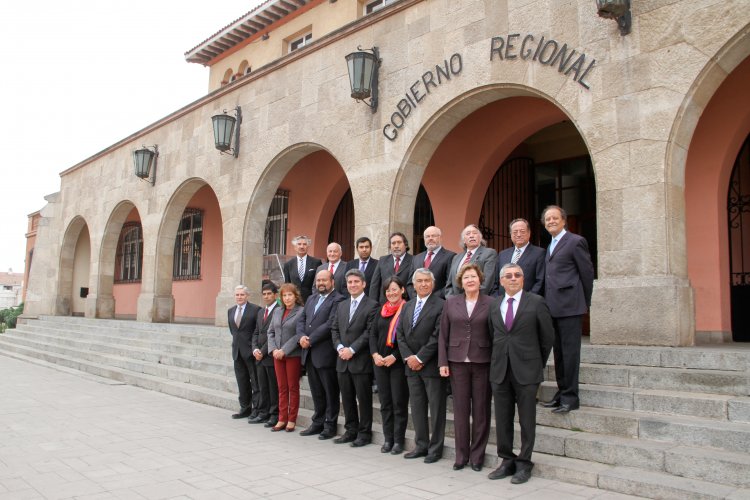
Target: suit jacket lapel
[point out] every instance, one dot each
(563, 241)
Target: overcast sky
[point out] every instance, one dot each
(80, 75)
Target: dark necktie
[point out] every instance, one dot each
(509, 315)
(395, 268)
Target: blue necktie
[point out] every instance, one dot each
(417, 310)
(320, 301)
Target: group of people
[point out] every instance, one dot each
(480, 322)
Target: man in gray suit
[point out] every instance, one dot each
(350, 333)
(522, 332)
(529, 257)
(568, 284)
(242, 318)
(417, 335)
(476, 251)
(436, 258)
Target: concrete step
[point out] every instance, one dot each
(732, 357)
(151, 367)
(728, 382)
(710, 406)
(181, 355)
(206, 336)
(182, 328)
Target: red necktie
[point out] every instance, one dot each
(428, 260)
(468, 257)
(331, 269)
(395, 268)
(265, 315)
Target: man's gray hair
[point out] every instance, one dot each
(243, 288)
(510, 265)
(301, 237)
(425, 271)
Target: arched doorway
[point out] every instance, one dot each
(738, 214)
(75, 262)
(714, 153)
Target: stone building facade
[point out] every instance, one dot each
(638, 136)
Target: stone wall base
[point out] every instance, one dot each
(657, 311)
(155, 308)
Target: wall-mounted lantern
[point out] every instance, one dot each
(363, 75)
(227, 132)
(619, 10)
(144, 161)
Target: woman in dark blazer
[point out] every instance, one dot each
(464, 354)
(389, 367)
(283, 344)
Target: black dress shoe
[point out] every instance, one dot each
(311, 431)
(254, 414)
(357, 443)
(271, 422)
(564, 408)
(258, 419)
(458, 466)
(431, 459)
(476, 467)
(521, 476)
(346, 438)
(503, 471)
(398, 449)
(416, 454)
(387, 447)
(326, 435)
(551, 404)
(243, 413)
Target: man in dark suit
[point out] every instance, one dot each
(364, 263)
(242, 318)
(336, 266)
(436, 258)
(568, 284)
(398, 262)
(301, 270)
(530, 257)
(350, 332)
(417, 335)
(319, 356)
(522, 332)
(475, 250)
(268, 408)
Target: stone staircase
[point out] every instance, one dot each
(658, 422)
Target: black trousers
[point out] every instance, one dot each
(357, 388)
(393, 392)
(247, 381)
(508, 394)
(424, 393)
(567, 352)
(269, 391)
(324, 387)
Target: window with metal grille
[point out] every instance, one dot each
(129, 259)
(188, 246)
(274, 241)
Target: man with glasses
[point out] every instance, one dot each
(529, 257)
(522, 333)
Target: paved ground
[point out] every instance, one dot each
(65, 435)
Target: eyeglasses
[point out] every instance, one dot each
(508, 276)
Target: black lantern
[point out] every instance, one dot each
(363, 75)
(143, 160)
(618, 10)
(227, 132)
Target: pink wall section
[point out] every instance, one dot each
(197, 298)
(721, 130)
(126, 294)
(316, 185)
(462, 167)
